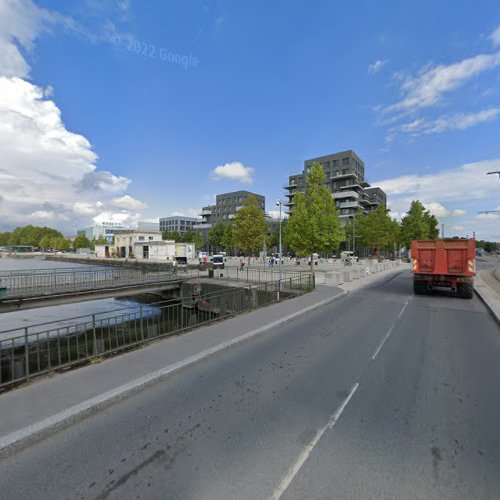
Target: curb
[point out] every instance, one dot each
(482, 291)
(31, 434)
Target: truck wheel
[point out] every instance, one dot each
(466, 291)
(420, 287)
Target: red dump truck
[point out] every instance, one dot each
(446, 263)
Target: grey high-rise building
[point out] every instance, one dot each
(225, 209)
(179, 223)
(345, 178)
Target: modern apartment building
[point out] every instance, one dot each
(178, 223)
(226, 206)
(345, 178)
(225, 209)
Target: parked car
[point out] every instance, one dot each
(218, 261)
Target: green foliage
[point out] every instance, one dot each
(250, 227)
(4, 239)
(418, 224)
(193, 237)
(32, 235)
(488, 246)
(82, 242)
(432, 224)
(100, 241)
(375, 230)
(314, 224)
(173, 235)
(61, 244)
(45, 243)
(215, 236)
(227, 242)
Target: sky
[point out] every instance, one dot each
(124, 110)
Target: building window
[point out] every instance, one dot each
(345, 161)
(141, 238)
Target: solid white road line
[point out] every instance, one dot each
(285, 482)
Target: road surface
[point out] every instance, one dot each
(381, 394)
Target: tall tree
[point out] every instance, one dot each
(418, 224)
(432, 225)
(4, 239)
(376, 230)
(193, 237)
(31, 235)
(250, 227)
(82, 242)
(314, 224)
(45, 243)
(171, 235)
(227, 242)
(215, 236)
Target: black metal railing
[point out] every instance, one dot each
(38, 349)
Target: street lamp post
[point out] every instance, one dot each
(279, 203)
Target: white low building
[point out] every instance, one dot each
(145, 245)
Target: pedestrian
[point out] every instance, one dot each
(174, 266)
(242, 264)
(270, 262)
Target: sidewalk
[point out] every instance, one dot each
(487, 286)
(49, 404)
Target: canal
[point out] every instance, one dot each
(29, 317)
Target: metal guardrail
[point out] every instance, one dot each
(42, 348)
(37, 282)
(251, 275)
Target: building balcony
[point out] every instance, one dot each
(206, 212)
(352, 186)
(343, 176)
(202, 226)
(349, 204)
(290, 186)
(345, 194)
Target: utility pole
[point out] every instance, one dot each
(353, 234)
(494, 172)
(279, 203)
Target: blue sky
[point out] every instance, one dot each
(129, 107)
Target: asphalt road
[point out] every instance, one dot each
(378, 395)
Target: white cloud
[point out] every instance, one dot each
(457, 228)
(447, 191)
(21, 21)
(437, 209)
(487, 217)
(457, 121)
(377, 66)
(495, 37)
(234, 171)
(43, 214)
(128, 203)
(47, 172)
(125, 217)
(190, 212)
(431, 83)
(467, 182)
